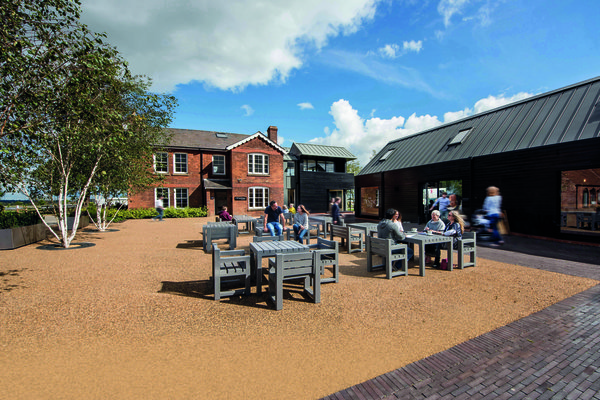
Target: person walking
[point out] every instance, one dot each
(160, 209)
(492, 206)
(443, 202)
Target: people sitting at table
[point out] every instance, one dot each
(274, 220)
(224, 215)
(387, 229)
(301, 223)
(455, 228)
(435, 225)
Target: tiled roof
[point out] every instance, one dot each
(564, 115)
(318, 150)
(191, 138)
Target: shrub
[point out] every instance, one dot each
(13, 219)
(141, 213)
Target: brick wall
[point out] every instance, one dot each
(236, 161)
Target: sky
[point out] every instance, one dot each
(351, 73)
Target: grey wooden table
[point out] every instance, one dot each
(322, 221)
(219, 230)
(269, 249)
(422, 239)
(245, 219)
(364, 226)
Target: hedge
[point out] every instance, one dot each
(141, 213)
(13, 219)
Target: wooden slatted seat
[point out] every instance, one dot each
(348, 235)
(288, 266)
(328, 256)
(228, 266)
(384, 248)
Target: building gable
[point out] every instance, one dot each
(564, 115)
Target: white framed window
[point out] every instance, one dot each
(218, 162)
(181, 197)
(164, 192)
(258, 164)
(161, 163)
(180, 163)
(258, 198)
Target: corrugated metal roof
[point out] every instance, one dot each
(319, 150)
(564, 115)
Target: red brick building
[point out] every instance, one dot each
(215, 169)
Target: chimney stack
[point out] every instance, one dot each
(272, 134)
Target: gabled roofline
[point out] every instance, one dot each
(259, 135)
(509, 105)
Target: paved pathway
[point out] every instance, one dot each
(552, 354)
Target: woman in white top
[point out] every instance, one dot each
(397, 219)
(301, 223)
(492, 206)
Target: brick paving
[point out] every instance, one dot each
(552, 354)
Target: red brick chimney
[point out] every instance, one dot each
(272, 134)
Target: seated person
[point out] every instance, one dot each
(292, 209)
(274, 220)
(436, 225)
(387, 229)
(398, 221)
(454, 228)
(301, 223)
(224, 215)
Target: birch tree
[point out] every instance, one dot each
(67, 104)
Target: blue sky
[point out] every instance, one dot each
(353, 73)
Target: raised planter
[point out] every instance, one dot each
(23, 235)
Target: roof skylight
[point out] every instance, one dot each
(460, 137)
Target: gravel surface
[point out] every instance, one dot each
(131, 316)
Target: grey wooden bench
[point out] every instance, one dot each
(348, 235)
(467, 246)
(287, 266)
(219, 230)
(328, 256)
(385, 248)
(228, 266)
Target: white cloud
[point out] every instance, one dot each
(249, 110)
(413, 45)
(394, 50)
(362, 136)
(389, 51)
(305, 106)
(492, 102)
(227, 45)
(447, 8)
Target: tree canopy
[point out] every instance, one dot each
(72, 116)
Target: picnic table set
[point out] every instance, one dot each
(291, 260)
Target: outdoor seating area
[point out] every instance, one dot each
(317, 263)
(153, 297)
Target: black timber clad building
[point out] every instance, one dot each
(313, 174)
(543, 153)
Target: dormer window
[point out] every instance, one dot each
(460, 137)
